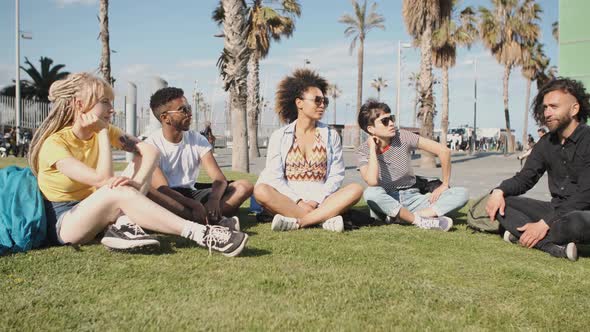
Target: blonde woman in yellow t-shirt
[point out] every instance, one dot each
(71, 156)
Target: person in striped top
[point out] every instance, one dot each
(385, 164)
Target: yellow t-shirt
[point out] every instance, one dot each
(54, 185)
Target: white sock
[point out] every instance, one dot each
(194, 231)
(123, 220)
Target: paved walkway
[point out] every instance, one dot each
(478, 173)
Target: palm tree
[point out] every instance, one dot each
(445, 41)
(555, 30)
(379, 83)
(533, 67)
(105, 56)
(414, 83)
(505, 30)
(421, 19)
(265, 23)
(359, 24)
(334, 92)
(41, 79)
(232, 66)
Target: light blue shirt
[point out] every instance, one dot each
(279, 144)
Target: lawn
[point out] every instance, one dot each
(373, 278)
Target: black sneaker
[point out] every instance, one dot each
(569, 251)
(221, 239)
(264, 217)
(127, 236)
(232, 223)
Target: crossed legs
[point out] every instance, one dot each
(337, 203)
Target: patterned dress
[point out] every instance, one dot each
(301, 170)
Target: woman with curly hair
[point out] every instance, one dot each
(304, 168)
(71, 157)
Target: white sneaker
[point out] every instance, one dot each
(282, 223)
(334, 224)
(441, 223)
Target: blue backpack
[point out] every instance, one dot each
(23, 225)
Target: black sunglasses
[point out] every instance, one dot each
(184, 110)
(318, 100)
(385, 121)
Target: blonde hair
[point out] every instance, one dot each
(85, 87)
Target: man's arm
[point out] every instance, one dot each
(444, 154)
(530, 174)
(174, 201)
(218, 187)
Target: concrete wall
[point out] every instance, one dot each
(574, 40)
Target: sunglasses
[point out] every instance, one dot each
(385, 121)
(184, 110)
(318, 100)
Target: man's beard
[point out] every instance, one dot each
(562, 123)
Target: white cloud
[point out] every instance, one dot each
(197, 64)
(63, 3)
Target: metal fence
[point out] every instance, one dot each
(32, 113)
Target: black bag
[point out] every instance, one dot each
(426, 185)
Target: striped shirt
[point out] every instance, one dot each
(395, 168)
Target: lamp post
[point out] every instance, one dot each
(474, 135)
(400, 45)
(195, 111)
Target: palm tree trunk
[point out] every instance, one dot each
(427, 159)
(379, 94)
(415, 116)
(253, 105)
(105, 57)
(510, 140)
(236, 76)
(239, 157)
(526, 112)
(356, 137)
(444, 122)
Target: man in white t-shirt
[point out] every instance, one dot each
(182, 152)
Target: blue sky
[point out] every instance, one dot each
(175, 40)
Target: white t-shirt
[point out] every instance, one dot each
(180, 161)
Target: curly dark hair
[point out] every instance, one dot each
(293, 87)
(370, 111)
(571, 86)
(163, 97)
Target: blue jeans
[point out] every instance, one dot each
(383, 203)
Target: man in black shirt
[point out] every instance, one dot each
(555, 227)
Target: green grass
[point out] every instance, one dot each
(374, 278)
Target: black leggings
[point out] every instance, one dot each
(571, 227)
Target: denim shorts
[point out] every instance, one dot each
(54, 212)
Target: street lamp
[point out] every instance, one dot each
(474, 135)
(400, 45)
(25, 35)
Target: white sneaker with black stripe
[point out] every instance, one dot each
(127, 236)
